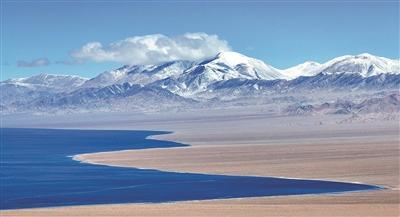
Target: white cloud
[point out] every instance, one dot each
(153, 49)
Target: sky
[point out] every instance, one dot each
(88, 37)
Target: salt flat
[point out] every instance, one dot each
(250, 142)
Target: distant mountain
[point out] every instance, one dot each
(363, 64)
(305, 69)
(228, 65)
(225, 66)
(116, 97)
(319, 83)
(227, 76)
(386, 104)
(48, 82)
(139, 74)
(22, 90)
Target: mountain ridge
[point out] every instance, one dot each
(227, 76)
(239, 65)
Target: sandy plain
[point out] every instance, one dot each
(255, 143)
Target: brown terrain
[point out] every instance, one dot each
(315, 147)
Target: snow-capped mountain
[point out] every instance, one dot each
(48, 82)
(139, 74)
(22, 90)
(187, 78)
(113, 97)
(184, 77)
(305, 85)
(228, 65)
(308, 68)
(227, 76)
(223, 67)
(363, 64)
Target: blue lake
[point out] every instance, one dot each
(36, 171)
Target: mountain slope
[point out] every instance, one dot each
(223, 67)
(114, 97)
(25, 89)
(139, 74)
(228, 76)
(305, 85)
(363, 64)
(308, 68)
(48, 82)
(384, 104)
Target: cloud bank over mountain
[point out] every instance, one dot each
(153, 49)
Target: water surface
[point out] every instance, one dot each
(36, 171)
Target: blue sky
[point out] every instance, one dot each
(41, 36)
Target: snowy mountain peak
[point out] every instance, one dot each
(241, 66)
(310, 63)
(232, 58)
(364, 64)
(48, 81)
(227, 76)
(365, 55)
(139, 74)
(47, 78)
(223, 67)
(308, 68)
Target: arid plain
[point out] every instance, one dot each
(249, 142)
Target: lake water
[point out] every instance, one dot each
(37, 171)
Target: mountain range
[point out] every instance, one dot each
(229, 77)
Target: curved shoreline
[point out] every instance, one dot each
(81, 158)
(85, 158)
(97, 184)
(370, 156)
